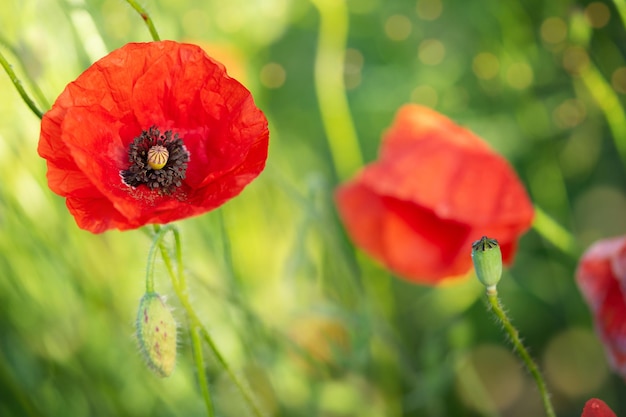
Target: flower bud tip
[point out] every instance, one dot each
(487, 260)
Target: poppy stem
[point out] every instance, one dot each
(146, 18)
(197, 328)
(556, 234)
(496, 307)
(18, 85)
(331, 90)
(198, 358)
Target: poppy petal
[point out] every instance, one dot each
(600, 282)
(169, 86)
(597, 408)
(434, 189)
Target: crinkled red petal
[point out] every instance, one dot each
(169, 85)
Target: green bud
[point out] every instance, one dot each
(156, 332)
(487, 260)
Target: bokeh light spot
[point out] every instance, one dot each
(519, 75)
(575, 372)
(618, 80)
(496, 371)
(575, 59)
(398, 27)
(486, 65)
(553, 30)
(431, 51)
(569, 114)
(429, 9)
(597, 14)
(273, 75)
(426, 95)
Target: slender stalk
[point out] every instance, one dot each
(330, 87)
(496, 307)
(608, 101)
(245, 391)
(198, 358)
(146, 18)
(556, 234)
(20, 89)
(180, 288)
(156, 243)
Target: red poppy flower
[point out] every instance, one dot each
(597, 408)
(435, 189)
(601, 277)
(151, 133)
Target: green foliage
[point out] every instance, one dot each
(316, 327)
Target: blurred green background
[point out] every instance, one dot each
(316, 328)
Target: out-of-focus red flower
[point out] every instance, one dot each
(601, 277)
(597, 408)
(109, 133)
(435, 189)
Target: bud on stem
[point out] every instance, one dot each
(156, 332)
(487, 260)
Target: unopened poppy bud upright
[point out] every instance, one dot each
(487, 259)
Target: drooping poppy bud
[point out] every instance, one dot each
(156, 332)
(487, 260)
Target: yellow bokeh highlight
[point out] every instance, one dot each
(398, 27)
(577, 372)
(618, 80)
(553, 30)
(429, 9)
(575, 59)
(486, 65)
(519, 75)
(569, 114)
(597, 14)
(489, 379)
(426, 95)
(431, 52)
(273, 75)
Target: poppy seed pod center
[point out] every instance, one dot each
(157, 157)
(157, 160)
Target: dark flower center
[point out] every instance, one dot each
(157, 160)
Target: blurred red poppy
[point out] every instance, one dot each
(435, 189)
(151, 133)
(601, 277)
(597, 408)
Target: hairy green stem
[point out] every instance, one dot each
(18, 85)
(179, 285)
(146, 18)
(496, 307)
(330, 87)
(180, 288)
